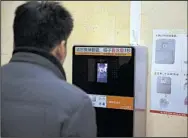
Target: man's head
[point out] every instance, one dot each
(43, 25)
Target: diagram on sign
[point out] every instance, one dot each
(184, 78)
(164, 103)
(186, 101)
(184, 53)
(164, 85)
(165, 51)
(185, 84)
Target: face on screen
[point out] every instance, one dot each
(102, 72)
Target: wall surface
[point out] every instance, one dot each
(99, 22)
(162, 15)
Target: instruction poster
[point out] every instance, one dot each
(169, 73)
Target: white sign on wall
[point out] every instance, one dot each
(169, 73)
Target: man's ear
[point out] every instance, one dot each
(60, 51)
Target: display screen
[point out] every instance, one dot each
(102, 72)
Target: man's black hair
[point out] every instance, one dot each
(41, 25)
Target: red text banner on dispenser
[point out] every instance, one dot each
(103, 51)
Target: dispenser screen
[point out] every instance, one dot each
(102, 72)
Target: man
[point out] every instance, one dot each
(36, 100)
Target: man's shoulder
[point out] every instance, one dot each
(72, 89)
(71, 94)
